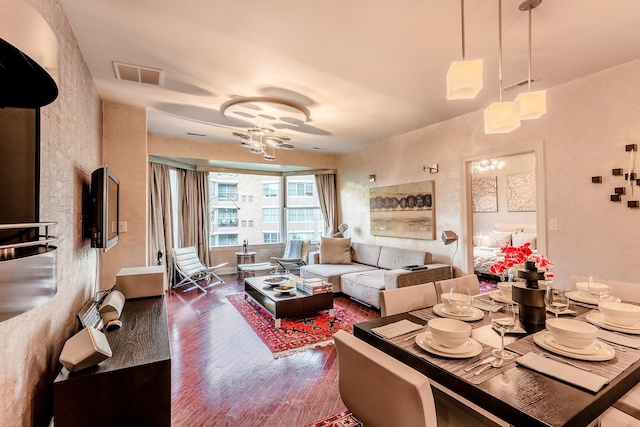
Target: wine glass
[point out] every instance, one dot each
(503, 318)
(555, 299)
(460, 298)
(599, 287)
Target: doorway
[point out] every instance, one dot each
(504, 201)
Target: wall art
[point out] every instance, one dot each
(521, 192)
(484, 192)
(403, 210)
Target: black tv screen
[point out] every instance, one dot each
(19, 172)
(104, 209)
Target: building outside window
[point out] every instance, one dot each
(270, 237)
(271, 189)
(270, 214)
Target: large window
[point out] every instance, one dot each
(251, 207)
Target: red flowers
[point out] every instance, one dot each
(518, 255)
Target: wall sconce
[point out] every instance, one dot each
(432, 168)
(372, 178)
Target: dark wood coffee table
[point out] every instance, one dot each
(295, 304)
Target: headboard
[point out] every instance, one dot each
(508, 226)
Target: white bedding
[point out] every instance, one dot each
(484, 257)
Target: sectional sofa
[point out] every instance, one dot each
(362, 270)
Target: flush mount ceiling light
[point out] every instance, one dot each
(532, 104)
(263, 117)
(501, 117)
(464, 79)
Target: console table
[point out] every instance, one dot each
(133, 387)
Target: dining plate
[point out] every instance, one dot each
(499, 296)
(605, 352)
(274, 281)
(598, 319)
(593, 348)
(580, 297)
(433, 343)
(469, 315)
(425, 338)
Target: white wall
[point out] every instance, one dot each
(587, 125)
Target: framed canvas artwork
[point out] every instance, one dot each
(403, 210)
(484, 192)
(521, 192)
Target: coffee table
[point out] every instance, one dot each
(295, 304)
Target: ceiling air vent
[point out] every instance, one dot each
(136, 73)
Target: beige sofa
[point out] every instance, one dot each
(374, 268)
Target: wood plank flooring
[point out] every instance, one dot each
(224, 375)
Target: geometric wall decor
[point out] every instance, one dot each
(630, 178)
(521, 192)
(484, 192)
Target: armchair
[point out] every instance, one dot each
(192, 271)
(295, 255)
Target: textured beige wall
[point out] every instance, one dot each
(71, 149)
(125, 152)
(587, 125)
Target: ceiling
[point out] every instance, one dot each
(363, 70)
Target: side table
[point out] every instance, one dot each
(242, 258)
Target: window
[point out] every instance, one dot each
(227, 239)
(300, 215)
(257, 203)
(270, 237)
(228, 190)
(300, 189)
(271, 189)
(271, 214)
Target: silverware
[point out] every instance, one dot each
(495, 364)
(410, 337)
(560, 359)
(480, 363)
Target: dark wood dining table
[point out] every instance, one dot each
(517, 395)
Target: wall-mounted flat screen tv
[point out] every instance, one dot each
(104, 208)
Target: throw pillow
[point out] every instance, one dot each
(335, 250)
(520, 238)
(499, 238)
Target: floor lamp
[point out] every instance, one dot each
(449, 237)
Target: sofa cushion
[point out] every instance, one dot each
(335, 250)
(364, 286)
(331, 273)
(392, 258)
(365, 253)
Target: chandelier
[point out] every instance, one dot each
(261, 116)
(486, 165)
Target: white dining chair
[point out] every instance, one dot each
(401, 300)
(471, 281)
(382, 391)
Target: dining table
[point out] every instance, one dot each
(513, 394)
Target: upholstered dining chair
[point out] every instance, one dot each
(191, 270)
(471, 281)
(379, 390)
(401, 300)
(295, 255)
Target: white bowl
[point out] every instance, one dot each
(598, 288)
(620, 313)
(572, 333)
(449, 332)
(505, 289)
(446, 302)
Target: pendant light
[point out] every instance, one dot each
(501, 117)
(464, 79)
(532, 104)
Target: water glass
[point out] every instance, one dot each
(460, 298)
(503, 318)
(556, 299)
(599, 287)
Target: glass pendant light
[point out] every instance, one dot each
(532, 104)
(464, 79)
(501, 117)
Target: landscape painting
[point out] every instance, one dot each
(403, 210)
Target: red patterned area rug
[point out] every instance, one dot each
(295, 334)
(341, 419)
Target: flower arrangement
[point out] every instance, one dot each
(519, 255)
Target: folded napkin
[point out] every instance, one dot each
(563, 372)
(485, 306)
(396, 329)
(618, 339)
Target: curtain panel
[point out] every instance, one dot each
(328, 196)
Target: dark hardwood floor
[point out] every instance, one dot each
(224, 375)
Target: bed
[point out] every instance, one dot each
(487, 251)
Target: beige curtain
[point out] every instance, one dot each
(160, 218)
(193, 230)
(326, 187)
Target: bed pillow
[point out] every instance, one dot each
(497, 239)
(520, 238)
(335, 250)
